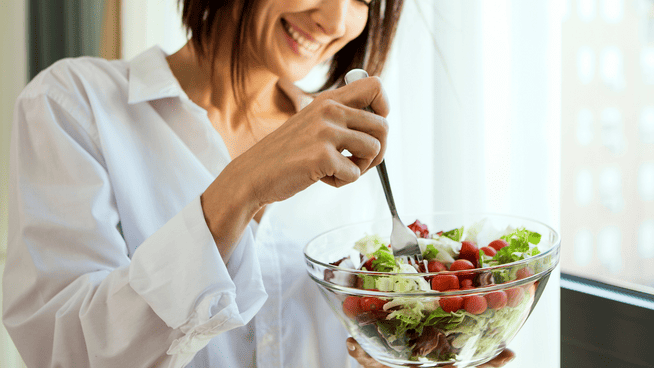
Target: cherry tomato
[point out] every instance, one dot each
(466, 284)
(461, 264)
(498, 244)
(368, 264)
(370, 303)
(470, 252)
(420, 229)
(491, 252)
(435, 266)
(444, 282)
(451, 303)
(496, 299)
(523, 273)
(514, 296)
(475, 304)
(352, 306)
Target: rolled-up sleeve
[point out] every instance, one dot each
(72, 296)
(201, 305)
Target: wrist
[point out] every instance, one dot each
(229, 205)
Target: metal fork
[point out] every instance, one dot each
(403, 241)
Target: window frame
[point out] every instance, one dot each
(605, 325)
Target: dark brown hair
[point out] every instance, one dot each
(368, 51)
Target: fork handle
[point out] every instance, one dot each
(383, 175)
(381, 168)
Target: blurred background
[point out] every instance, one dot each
(538, 108)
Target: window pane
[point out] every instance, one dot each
(607, 191)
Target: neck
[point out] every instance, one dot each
(214, 92)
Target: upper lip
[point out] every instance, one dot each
(302, 32)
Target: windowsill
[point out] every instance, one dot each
(613, 284)
(604, 325)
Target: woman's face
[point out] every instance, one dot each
(290, 37)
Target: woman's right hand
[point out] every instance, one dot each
(305, 149)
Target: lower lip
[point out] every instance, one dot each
(294, 45)
(291, 42)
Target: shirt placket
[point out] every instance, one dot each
(268, 322)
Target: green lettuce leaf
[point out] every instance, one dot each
(454, 234)
(519, 247)
(522, 236)
(385, 261)
(430, 252)
(409, 318)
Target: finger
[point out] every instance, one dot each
(363, 147)
(501, 360)
(366, 92)
(365, 121)
(339, 171)
(355, 351)
(341, 115)
(356, 119)
(372, 124)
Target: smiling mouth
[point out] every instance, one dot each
(307, 47)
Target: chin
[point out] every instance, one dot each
(294, 72)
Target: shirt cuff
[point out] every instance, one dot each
(181, 275)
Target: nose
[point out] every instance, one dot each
(331, 17)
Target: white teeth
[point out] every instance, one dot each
(301, 40)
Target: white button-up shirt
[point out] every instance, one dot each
(110, 261)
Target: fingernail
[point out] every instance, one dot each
(351, 346)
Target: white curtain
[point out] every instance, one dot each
(475, 91)
(146, 23)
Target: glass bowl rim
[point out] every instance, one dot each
(556, 243)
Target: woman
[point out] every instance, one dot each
(158, 207)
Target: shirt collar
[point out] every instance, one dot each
(150, 77)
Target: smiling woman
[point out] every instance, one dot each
(314, 32)
(138, 190)
(156, 222)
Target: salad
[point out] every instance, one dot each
(446, 328)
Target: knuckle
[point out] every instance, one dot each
(370, 150)
(325, 132)
(383, 122)
(331, 109)
(376, 82)
(322, 158)
(376, 147)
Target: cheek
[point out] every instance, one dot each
(357, 23)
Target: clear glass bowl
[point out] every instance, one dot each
(459, 337)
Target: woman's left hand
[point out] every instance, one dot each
(354, 349)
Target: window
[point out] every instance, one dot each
(607, 192)
(607, 195)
